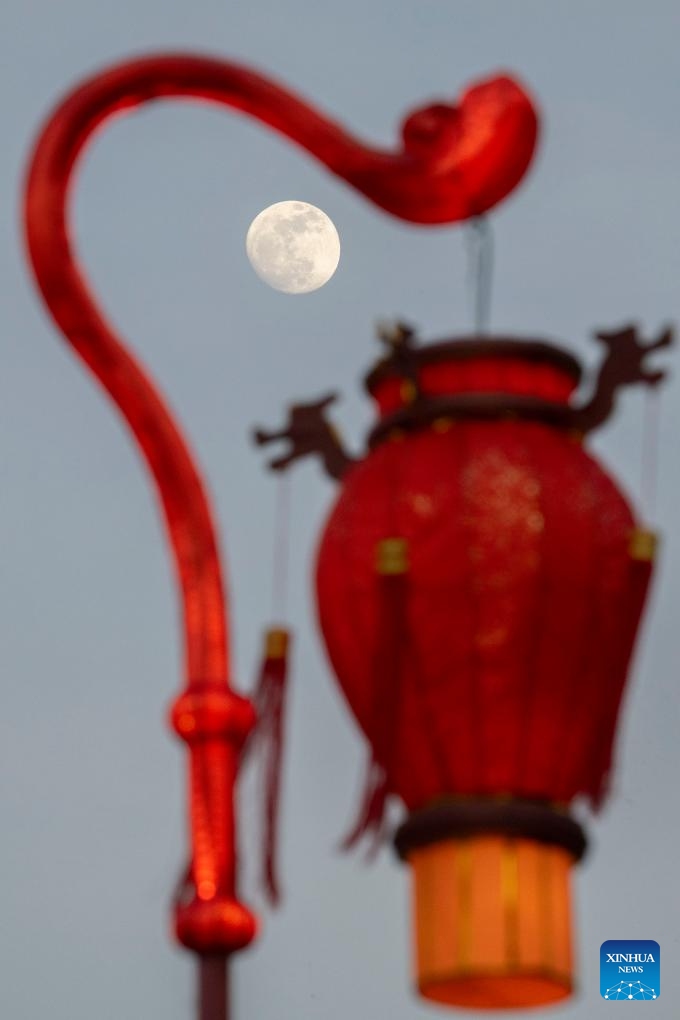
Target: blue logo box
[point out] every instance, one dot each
(630, 970)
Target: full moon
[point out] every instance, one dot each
(293, 246)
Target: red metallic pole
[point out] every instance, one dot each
(213, 988)
(455, 162)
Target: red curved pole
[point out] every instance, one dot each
(455, 162)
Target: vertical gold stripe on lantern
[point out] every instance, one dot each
(510, 900)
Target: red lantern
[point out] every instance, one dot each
(480, 582)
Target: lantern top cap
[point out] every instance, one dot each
(405, 355)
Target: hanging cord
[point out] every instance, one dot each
(480, 271)
(281, 549)
(649, 461)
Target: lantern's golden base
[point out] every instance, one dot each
(492, 920)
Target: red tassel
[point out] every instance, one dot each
(269, 699)
(371, 815)
(392, 568)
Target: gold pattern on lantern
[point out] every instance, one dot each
(423, 505)
(392, 556)
(408, 391)
(643, 544)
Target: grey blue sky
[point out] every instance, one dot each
(91, 783)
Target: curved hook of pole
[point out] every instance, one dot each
(455, 162)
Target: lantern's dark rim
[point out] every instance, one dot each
(465, 347)
(486, 406)
(514, 818)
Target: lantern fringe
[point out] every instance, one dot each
(266, 742)
(371, 817)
